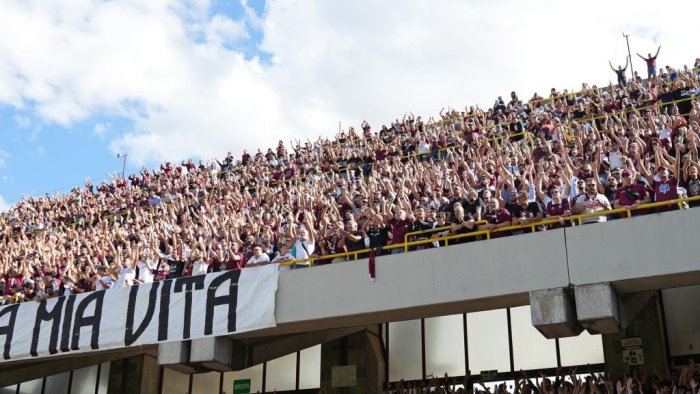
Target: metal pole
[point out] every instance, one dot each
(629, 53)
(123, 156)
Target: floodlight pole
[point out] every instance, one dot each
(629, 53)
(123, 156)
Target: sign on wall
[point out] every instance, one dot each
(241, 386)
(174, 310)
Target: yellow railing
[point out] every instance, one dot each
(433, 230)
(625, 111)
(444, 121)
(533, 226)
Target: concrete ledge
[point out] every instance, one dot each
(596, 307)
(553, 313)
(176, 355)
(212, 353)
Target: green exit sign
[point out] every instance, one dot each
(490, 374)
(241, 386)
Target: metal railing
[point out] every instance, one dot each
(487, 233)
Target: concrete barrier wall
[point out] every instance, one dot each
(474, 276)
(648, 252)
(642, 253)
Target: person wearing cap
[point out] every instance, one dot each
(630, 194)
(665, 182)
(14, 294)
(28, 290)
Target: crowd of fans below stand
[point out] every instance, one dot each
(515, 163)
(683, 380)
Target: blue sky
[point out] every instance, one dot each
(39, 156)
(163, 80)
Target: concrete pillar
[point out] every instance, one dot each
(353, 364)
(176, 355)
(647, 326)
(596, 308)
(553, 314)
(212, 353)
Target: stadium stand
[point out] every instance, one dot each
(570, 159)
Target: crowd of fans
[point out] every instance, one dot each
(684, 380)
(515, 163)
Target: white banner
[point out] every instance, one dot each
(174, 310)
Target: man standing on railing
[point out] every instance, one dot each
(651, 63)
(621, 72)
(591, 201)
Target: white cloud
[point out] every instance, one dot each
(4, 155)
(224, 31)
(4, 206)
(176, 73)
(100, 129)
(22, 122)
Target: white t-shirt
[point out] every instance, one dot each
(145, 274)
(282, 258)
(615, 159)
(68, 288)
(423, 147)
(100, 283)
(594, 204)
(253, 261)
(199, 267)
(303, 252)
(126, 277)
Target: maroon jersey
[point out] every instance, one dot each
(632, 194)
(554, 209)
(497, 217)
(665, 191)
(399, 228)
